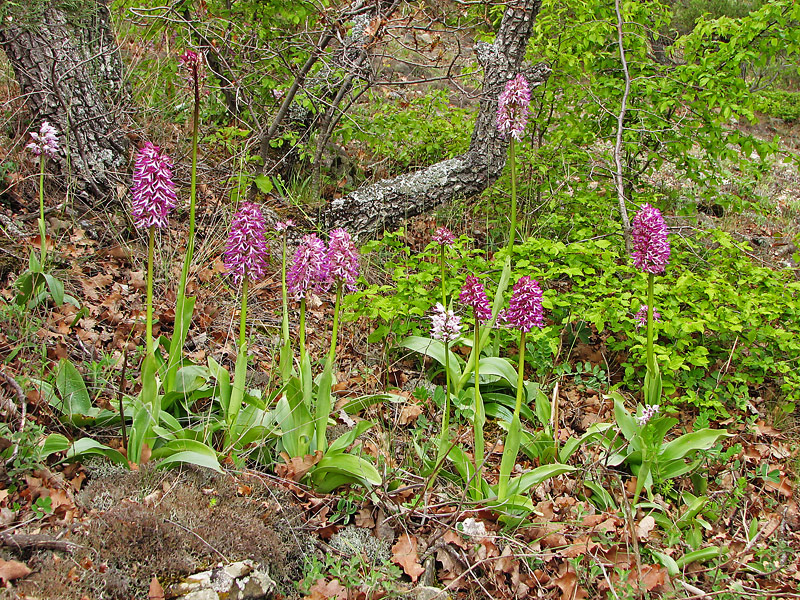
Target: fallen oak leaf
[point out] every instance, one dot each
(323, 590)
(404, 554)
(644, 528)
(12, 569)
(567, 582)
(156, 592)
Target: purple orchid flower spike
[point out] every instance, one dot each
(246, 253)
(153, 189)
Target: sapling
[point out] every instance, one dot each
(192, 64)
(153, 195)
(43, 144)
(246, 259)
(524, 312)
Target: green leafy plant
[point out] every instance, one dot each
(644, 450)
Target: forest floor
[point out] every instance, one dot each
(99, 532)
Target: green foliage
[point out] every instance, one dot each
(644, 450)
(358, 573)
(781, 104)
(405, 293)
(411, 133)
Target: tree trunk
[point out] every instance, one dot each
(387, 203)
(69, 72)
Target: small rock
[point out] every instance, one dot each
(236, 581)
(427, 592)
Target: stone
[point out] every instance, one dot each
(241, 580)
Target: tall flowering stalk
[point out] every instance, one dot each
(43, 144)
(153, 196)
(246, 259)
(444, 238)
(524, 312)
(308, 273)
(192, 66)
(512, 117)
(341, 262)
(473, 295)
(445, 327)
(282, 227)
(650, 255)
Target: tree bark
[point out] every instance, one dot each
(70, 73)
(387, 203)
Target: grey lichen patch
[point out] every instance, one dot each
(352, 541)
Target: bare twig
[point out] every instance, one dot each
(623, 210)
(21, 542)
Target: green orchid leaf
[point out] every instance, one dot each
(521, 484)
(344, 441)
(435, 350)
(702, 439)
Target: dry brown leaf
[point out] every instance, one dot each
(653, 576)
(364, 518)
(322, 590)
(296, 467)
(644, 528)
(409, 414)
(567, 582)
(156, 591)
(13, 569)
(783, 487)
(404, 553)
(507, 562)
(579, 547)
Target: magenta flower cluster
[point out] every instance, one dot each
(641, 316)
(650, 244)
(309, 270)
(444, 237)
(473, 294)
(445, 324)
(153, 189)
(46, 141)
(193, 63)
(342, 259)
(525, 310)
(246, 253)
(512, 107)
(281, 226)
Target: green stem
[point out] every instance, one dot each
(335, 332)
(149, 324)
(497, 304)
(184, 305)
(42, 230)
(513, 231)
(285, 294)
(520, 374)
(446, 417)
(302, 329)
(441, 261)
(650, 358)
(243, 315)
(513, 437)
(480, 414)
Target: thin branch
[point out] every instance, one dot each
(623, 210)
